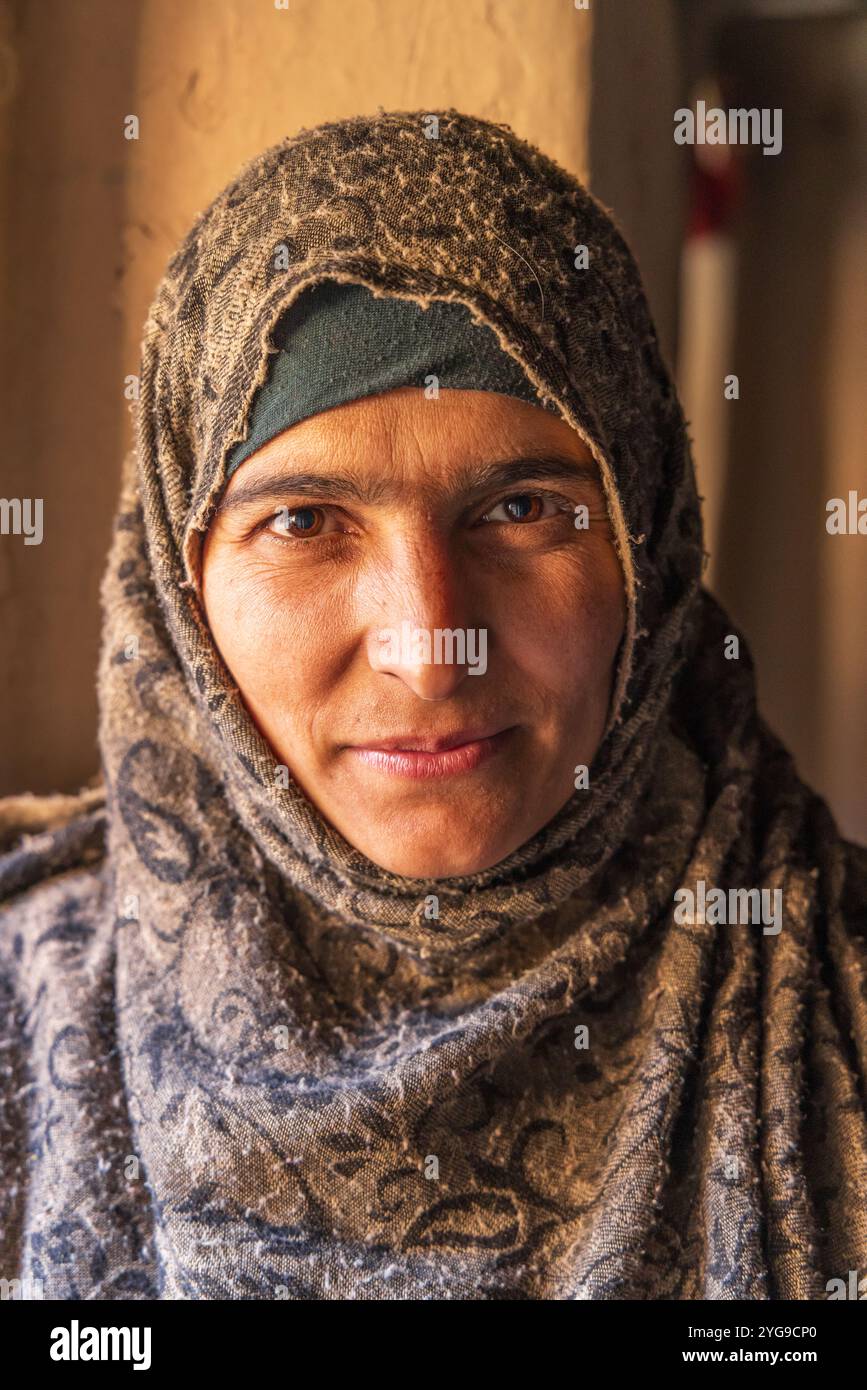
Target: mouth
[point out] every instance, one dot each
(418, 756)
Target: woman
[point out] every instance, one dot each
(453, 927)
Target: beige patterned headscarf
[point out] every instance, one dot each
(260, 1067)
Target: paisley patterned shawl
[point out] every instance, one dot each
(242, 1061)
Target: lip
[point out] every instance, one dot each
(411, 755)
(424, 743)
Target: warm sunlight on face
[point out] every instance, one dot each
(415, 622)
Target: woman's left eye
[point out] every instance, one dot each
(523, 507)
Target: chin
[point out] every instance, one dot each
(426, 861)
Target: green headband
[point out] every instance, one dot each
(339, 342)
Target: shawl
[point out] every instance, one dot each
(240, 1060)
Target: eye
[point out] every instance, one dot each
(296, 523)
(522, 507)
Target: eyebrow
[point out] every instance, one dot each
(353, 487)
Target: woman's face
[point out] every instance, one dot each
(403, 573)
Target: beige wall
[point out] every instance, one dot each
(63, 170)
(636, 169)
(89, 220)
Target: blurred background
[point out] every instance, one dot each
(754, 265)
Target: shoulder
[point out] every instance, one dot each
(52, 852)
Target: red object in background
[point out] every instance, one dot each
(714, 194)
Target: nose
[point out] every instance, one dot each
(419, 633)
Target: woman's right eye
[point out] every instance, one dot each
(297, 523)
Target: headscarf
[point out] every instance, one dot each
(262, 1066)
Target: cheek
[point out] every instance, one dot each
(563, 628)
(279, 642)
